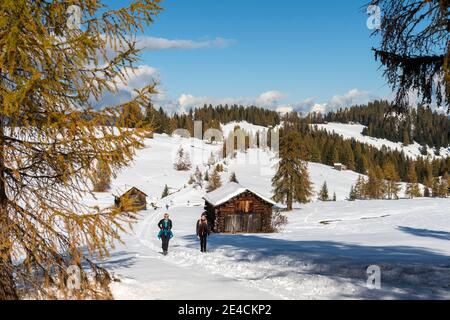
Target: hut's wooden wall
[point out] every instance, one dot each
(227, 218)
(137, 198)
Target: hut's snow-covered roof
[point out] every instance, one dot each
(228, 192)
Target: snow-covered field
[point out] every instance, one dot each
(349, 131)
(323, 253)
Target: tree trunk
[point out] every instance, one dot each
(289, 201)
(7, 286)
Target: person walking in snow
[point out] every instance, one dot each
(165, 233)
(203, 232)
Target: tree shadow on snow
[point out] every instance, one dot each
(417, 273)
(442, 235)
(118, 260)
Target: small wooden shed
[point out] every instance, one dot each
(138, 198)
(236, 209)
(340, 167)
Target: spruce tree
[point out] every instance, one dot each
(165, 192)
(291, 181)
(353, 194)
(233, 178)
(323, 194)
(215, 181)
(198, 178)
(334, 197)
(183, 161)
(360, 188)
(414, 51)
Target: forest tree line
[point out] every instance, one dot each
(321, 146)
(420, 125)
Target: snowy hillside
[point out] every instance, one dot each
(349, 131)
(244, 125)
(322, 253)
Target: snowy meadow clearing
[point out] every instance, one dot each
(323, 252)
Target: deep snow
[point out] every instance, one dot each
(323, 252)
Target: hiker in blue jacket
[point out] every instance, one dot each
(165, 233)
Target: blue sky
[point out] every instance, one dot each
(297, 53)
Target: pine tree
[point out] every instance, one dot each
(233, 178)
(291, 181)
(424, 150)
(215, 181)
(360, 188)
(323, 194)
(182, 162)
(335, 156)
(412, 189)
(410, 57)
(165, 193)
(334, 197)
(348, 157)
(198, 178)
(51, 140)
(392, 181)
(353, 194)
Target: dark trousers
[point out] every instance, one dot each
(165, 243)
(203, 240)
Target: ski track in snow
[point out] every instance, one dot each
(323, 252)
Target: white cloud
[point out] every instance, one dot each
(156, 44)
(135, 78)
(270, 98)
(322, 108)
(273, 99)
(352, 97)
(349, 99)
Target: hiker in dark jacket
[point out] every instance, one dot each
(203, 232)
(165, 233)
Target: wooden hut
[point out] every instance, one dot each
(236, 209)
(340, 167)
(137, 197)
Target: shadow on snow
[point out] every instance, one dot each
(414, 273)
(442, 235)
